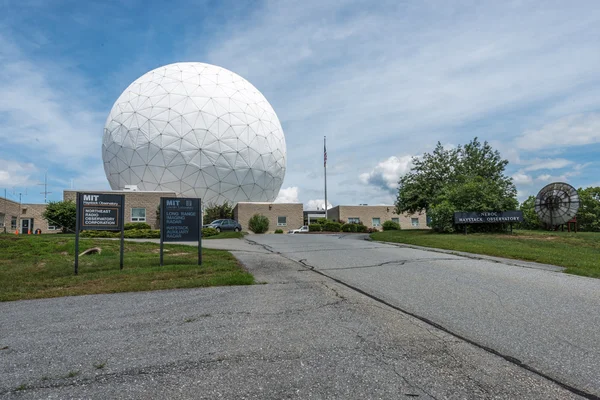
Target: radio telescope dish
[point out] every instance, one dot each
(557, 203)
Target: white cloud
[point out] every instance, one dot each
(573, 130)
(288, 195)
(387, 173)
(16, 174)
(521, 179)
(549, 163)
(45, 110)
(318, 204)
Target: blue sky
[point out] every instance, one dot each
(383, 80)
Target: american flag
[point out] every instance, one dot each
(324, 155)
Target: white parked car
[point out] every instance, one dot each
(302, 229)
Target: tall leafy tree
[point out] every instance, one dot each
(61, 213)
(588, 216)
(530, 217)
(213, 212)
(466, 178)
(426, 180)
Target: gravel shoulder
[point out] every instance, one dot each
(296, 335)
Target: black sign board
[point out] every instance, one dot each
(180, 221)
(488, 217)
(99, 211)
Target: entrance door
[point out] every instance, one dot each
(26, 225)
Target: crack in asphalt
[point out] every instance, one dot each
(428, 321)
(398, 262)
(164, 369)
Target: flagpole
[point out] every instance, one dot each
(325, 168)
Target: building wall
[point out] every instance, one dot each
(384, 213)
(292, 211)
(35, 211)
(147, 200)
(8, 209)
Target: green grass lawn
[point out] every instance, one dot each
(578, 252)
(38, 266)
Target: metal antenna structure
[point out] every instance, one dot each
(45, 184)
(556, 204)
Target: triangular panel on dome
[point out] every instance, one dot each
(243, 159)
(137, 159)
(229, 145)
(149, 177)
(244, 176)
(159, 113)
(209, 157)
(154, 155)
(238, 119)
(156, 171)
(210, 175)
(170, 141)
(191, 140)
(209, 120)
(160, 100)
(230, 194)
(168, 177)
(177, 102)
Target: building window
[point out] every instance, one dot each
(414, 221)
(353, 220)
(376, 222)
(138, 215)
(2, 220)
(13, 223)
(396, 220)
(281, 221)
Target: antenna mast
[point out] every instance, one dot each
(45, 192)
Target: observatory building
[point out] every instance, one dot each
(197, 130)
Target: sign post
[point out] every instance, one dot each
(180, 221)
(99, 212)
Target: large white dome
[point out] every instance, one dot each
(196, 129)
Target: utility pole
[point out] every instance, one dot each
(5, 210)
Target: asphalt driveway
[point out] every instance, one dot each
(297, 334)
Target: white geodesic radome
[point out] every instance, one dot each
(198, 130)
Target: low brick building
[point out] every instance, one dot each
(284, 216)
(375, 216)
(23, 217)
(139, 206)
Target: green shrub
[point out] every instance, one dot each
(206, 232)
(349, 228)
(372, 230)
(361, 228)
(278, 231)
(442, 217)
(141, 234)
(100, 234)
(332, 227)
(321, 221)
(391, 226)
(314, 228)
(258, 223)
(136, 225)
